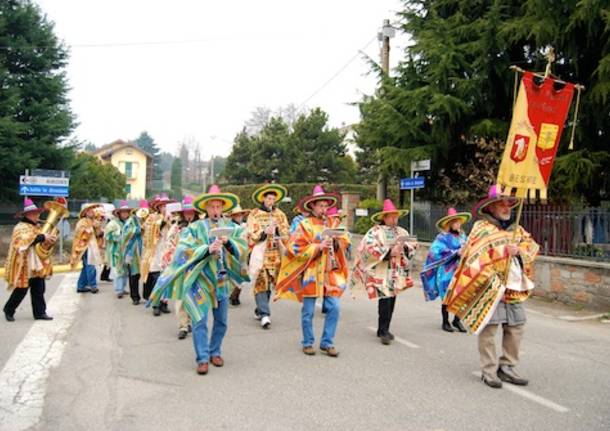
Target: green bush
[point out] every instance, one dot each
(363, 224)
(297, 191)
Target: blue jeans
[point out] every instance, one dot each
(330, 321)
(120, 283)
(262, 304)
(205, 348)
(88, 275)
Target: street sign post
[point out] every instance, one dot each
(413, 183)
(30, 185)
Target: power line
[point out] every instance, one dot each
(350, 61)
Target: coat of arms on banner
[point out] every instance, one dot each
(519, 150)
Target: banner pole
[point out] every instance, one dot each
(516, 225)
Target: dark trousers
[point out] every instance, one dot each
(105, 276)
(36, 286)
(150, 284)
(386, 309)
(134, 284)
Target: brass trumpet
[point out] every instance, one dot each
(56, 213)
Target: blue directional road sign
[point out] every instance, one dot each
(38, 190)
(412, 183)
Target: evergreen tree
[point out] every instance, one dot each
(147, 143)
(92, 179)
(34, 114)
(176, 178)
(451, 97)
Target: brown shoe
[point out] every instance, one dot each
(330, 351)
(309, 350)
(217, 361)
(202, 368)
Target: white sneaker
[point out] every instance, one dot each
(265, 322)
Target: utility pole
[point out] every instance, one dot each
(387, 32)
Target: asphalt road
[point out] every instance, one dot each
(104, 364)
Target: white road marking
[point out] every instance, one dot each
(399, 340)
(530, 396)
(582, 318)
(24, 377)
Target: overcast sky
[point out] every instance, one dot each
(231, 57)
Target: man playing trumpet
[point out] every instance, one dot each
(316, 267)
(267, 233)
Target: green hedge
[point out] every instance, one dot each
(299, 190)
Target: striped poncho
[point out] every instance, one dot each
(192, 275)
(305, 273)
(479, 280)
(131, 243)
(441, 262)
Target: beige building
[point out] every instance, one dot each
(135, 163)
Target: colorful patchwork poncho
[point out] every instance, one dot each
(192, 276)
(374, 270)
(266, 256)
(131, 243)
(441, 262)
(307, 274)
(85, 240)
(478, 283)
(23, 262)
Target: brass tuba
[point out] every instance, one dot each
(56, 213)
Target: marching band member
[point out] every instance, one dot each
(187, 215)
(381, 266)
(85, 248)
(442, 260)
(490, 285)
(114, 256)
(315, 267)
(201, 271)
(239, 216)
(25, 268)
(268, 232)
(131, 248)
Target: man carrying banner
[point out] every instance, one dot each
(315, 267)
(381, 267)
(206, 259)
(26, 267)
(491, 283)
(442, 260)
(85, 248)
(267, 234)
(114, 255)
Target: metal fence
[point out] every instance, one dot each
(560, 231)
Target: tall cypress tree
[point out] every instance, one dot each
(34, 114)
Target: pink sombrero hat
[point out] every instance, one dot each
(28, 207)
(161, 199)
(494, 195)
(452, 214)
(123, 206)
(388, 208)
(319, 195)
